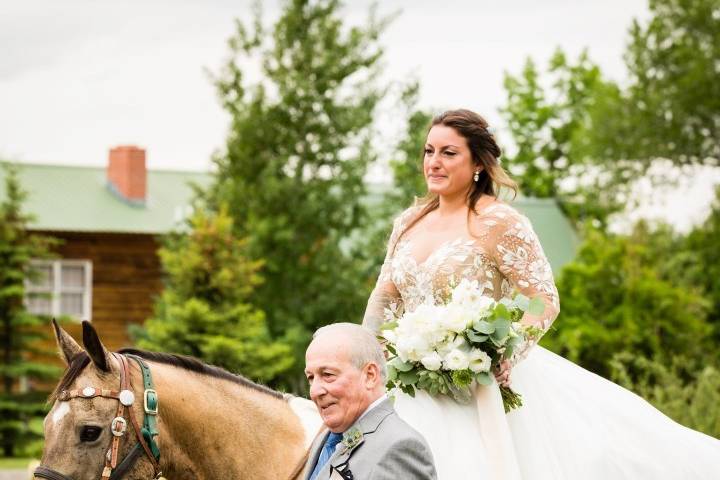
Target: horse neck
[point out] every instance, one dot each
(215, 428)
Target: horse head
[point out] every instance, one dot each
(82, 429)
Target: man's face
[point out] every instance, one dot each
(340, 391)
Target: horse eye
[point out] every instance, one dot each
(90, 434)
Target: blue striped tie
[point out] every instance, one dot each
(328, 449)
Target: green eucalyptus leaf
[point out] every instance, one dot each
(408, 378)
(482, 326)
(400, 366)
(476, 337)
(483, 378)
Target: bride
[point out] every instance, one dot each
(573, 424)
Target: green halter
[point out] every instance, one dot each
(150, 404)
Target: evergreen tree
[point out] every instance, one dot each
(204, 310)
(292, 171)
(19, 330)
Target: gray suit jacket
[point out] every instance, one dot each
(390, 449)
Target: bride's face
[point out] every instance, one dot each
(447, 164)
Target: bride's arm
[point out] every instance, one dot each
(385, 294)
(520, 258)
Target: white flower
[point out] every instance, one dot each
(390, 336)
(479, 361)
(412, 347)
(457, 318)
(432, 362)
(456, 360)
(469, 295)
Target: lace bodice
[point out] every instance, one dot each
(503, 255)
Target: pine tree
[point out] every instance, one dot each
(19, 330)
(204, 310)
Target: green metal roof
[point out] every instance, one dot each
(77, 199)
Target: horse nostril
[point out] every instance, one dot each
(90, 433)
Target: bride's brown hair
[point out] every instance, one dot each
(485, 153)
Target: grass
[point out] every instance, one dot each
(14, 463)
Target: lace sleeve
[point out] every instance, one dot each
(520, 258)
(385, 294)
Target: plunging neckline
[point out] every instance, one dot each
(462, 241)
(470, 241)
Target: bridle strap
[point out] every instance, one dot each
(111, 459)
(128, 462)
(138, 431)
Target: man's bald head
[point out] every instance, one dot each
(345, 367)
(361, 344)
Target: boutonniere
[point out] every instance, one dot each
(351, 439)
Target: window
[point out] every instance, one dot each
(60, 287)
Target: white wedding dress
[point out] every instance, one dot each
(573, 425)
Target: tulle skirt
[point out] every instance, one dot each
(573, 425)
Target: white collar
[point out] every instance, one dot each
(373, 405)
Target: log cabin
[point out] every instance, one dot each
(109, 221)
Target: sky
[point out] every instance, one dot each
(78, 77)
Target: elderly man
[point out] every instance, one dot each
(366, 440)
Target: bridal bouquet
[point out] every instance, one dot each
(443, 348)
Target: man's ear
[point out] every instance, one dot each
(372, 375)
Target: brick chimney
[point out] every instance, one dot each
(127, 174)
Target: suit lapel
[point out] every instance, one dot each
(367, 425)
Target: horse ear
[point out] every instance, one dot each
(94, 347)
(67, 344)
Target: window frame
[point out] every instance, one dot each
(56, 289)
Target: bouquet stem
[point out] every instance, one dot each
(511, 400)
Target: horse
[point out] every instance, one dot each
(199, 421)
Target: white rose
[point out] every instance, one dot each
(479, 361)
(456, 360)
(457, 319)
(412, 347)
(432, 362)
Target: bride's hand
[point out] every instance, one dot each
(502, 373)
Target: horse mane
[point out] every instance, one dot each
(81, 360)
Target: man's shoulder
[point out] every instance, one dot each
(395, 430)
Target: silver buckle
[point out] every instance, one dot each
(118, 426)
(150, 411)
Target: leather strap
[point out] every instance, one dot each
(146, 435)
(128, 462)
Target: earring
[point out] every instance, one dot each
(476, 177)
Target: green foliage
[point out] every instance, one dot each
(19, 330)
(406, 166)
(292, 171)
(674, 98)
(688, 392)
(549, 114)
(615, 299)
(697, 263)
(204, 310)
